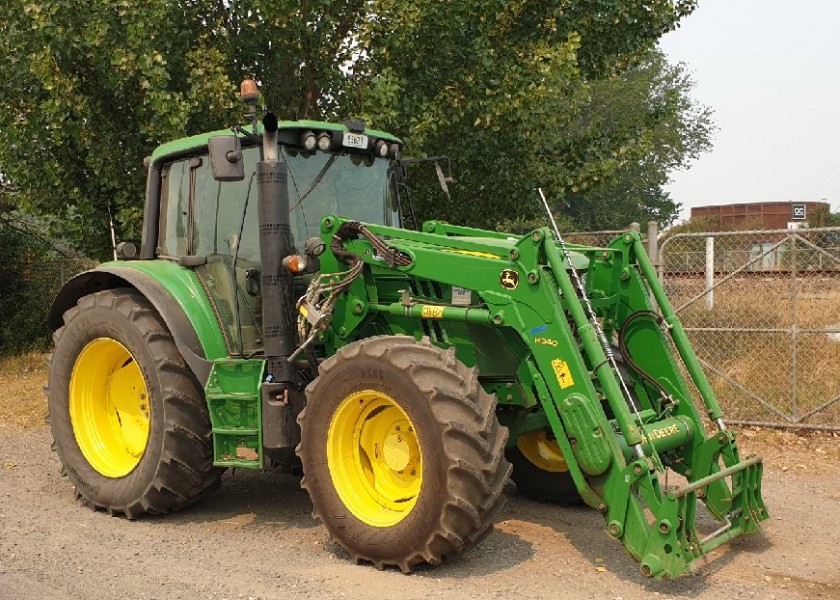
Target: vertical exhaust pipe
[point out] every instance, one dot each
(280, 401)
(275, 245)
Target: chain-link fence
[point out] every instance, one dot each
(596, 239)
(27, 289)
(762, 310)
(599, 239)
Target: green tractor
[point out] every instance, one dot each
(278, 313)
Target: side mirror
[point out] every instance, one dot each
(226, 161)
(444, 180)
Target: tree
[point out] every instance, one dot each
(27, 281)
(87, 89)
(821, 216)
(528, 97)
(651, 109)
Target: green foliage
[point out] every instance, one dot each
(521, 94)
(602, 169)
(821, 216)
(648, 111)
(522, 225)
(693, 225)
(21, 320)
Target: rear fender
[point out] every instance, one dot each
(176, 294)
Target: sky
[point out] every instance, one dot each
(770, 70)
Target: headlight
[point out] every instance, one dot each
(324, 141)
(381, 148)
(308, 140)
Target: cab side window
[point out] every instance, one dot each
(174, 227)
(200, 216)
(226, 234)
(220, 208)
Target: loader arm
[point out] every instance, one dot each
(508, 306)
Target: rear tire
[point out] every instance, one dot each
(540, 472)
(129, 420)
(403, 456)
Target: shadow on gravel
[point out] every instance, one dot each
(497, 552)
(584, 529)
(254, 499)
(723, 556)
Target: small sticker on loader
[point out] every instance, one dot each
(562, 372)
(461, 296)
(431, 312)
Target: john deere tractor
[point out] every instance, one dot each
(278, 313)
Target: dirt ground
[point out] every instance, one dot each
(254, 537)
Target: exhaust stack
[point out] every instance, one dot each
(280, 401)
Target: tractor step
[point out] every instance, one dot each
(234, 403)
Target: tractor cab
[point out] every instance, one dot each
(202, 209)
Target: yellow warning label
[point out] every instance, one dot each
(432, 312)
(473, 253)
(562, 372)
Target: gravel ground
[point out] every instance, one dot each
(254, 539)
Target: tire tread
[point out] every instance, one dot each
(185, 471)
(473, 441)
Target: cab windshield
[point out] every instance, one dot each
(347, 185)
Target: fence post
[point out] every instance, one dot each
(710, 272)
(634, 227)
(653, 242)
(794, 329)
(653, 254)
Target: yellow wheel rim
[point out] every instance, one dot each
(109, 407)
(374, 458)
(542, 452)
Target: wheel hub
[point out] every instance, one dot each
(109, 407)
(397, 452)
(374, 458)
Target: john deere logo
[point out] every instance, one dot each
(509, 279)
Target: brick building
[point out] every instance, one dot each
(757, 215)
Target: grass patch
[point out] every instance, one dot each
(23, 404)
(763, 358)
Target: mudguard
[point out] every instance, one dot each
(170, 289)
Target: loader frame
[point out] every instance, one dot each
(522, 293)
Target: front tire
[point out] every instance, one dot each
(129, 420)
(402, 454)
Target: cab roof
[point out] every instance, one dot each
(189, 145)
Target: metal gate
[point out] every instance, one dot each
(762, 309)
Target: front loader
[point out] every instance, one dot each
(278, 314)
